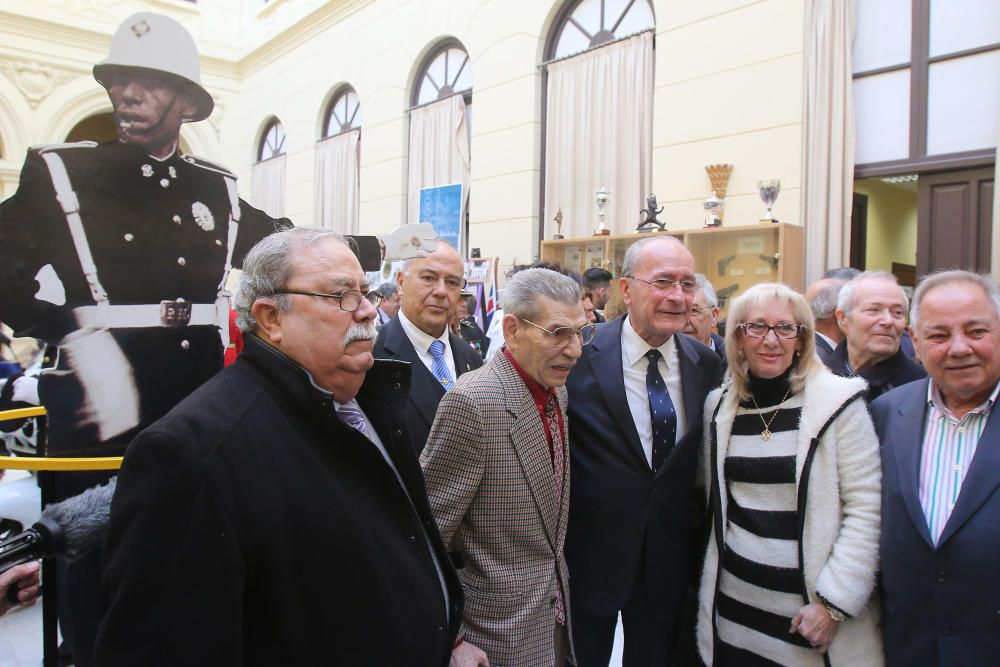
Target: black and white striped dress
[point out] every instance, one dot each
(760, 581)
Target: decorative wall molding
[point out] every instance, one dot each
(35, 80)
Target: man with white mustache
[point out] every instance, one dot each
(278, 515)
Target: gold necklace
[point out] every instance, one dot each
(765, 435)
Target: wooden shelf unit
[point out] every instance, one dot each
(729, 256)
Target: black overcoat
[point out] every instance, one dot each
(251, 527)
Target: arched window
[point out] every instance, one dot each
(598, 114)
(338, 157)
(343, 113)
(272, 141)
(446, 71)
(268, 184)
(440, 118)
(591, 23)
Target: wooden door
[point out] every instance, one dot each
(955, 220)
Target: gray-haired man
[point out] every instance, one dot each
(822, 297)
(288, 483)
(497, 471)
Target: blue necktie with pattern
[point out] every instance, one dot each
(439, 367)
(662, 415)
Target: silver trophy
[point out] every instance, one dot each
(713, 210)
(601, 197)
(769, 190)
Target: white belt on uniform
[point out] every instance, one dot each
(169, 314)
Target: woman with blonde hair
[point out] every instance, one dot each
(792, 466)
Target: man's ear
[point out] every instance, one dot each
(623, 287)
(841, 318)
(186, 103)
(510, 324)
(268, 319)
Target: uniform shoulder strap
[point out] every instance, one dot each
(71, 209)
(45, 148)
(210, 166)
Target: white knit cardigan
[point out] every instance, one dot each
(840, 532)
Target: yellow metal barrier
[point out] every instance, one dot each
(21, 413)
(52, 462)
(60, 463)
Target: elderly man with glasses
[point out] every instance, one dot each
(635, 411)
(277, 516)
(497, 472)
(430, 288)
(704, 318)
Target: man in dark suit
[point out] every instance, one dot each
(278, 515)
(822, 298)
(430, 288)
(941, 482)
(389, 306)
(635, 411)
(705, 318)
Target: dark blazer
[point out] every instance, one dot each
(425, 390)
(251, 527)
(720, 346)
(884, 376)
(941, 605)
(823, 348)
(617, 505)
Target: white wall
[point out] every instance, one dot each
(728, 89)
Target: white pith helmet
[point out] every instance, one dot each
(159, 43)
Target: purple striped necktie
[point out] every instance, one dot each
(350, 413)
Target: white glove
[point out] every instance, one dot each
(26, 390)
(410, 241)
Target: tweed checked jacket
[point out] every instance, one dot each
(491, 489)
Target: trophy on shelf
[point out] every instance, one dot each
(769, 190)
(558, 220)
(648, 221)
(718, 175)
(601, 196)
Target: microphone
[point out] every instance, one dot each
(69, 528)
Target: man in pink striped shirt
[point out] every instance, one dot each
(941, 481)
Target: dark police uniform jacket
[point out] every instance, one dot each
(158, 231)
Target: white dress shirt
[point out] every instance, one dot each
(634, 367)
(422, 342)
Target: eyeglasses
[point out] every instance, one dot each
(760, 330)
(562, 336)
(350, 299)
(666, 284)
(700, 310)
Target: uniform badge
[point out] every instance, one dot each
(147, 170)
(203, 216)
(172, 171)
(140, 28)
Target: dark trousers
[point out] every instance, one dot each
(649, 638)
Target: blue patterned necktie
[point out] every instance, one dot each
(439, 367)
(662, 415)
(350, 413)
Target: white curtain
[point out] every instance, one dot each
(337, 182)
(439, 151)
(267, 188)
(599, 132)
(828, 141)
